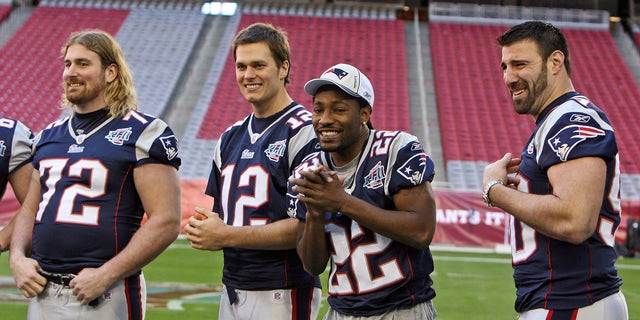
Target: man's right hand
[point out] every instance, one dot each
(26, 276)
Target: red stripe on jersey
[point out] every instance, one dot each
(294, 304)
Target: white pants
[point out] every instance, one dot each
(421, 311)
(57, 302)
(613, 307)
(271, 304)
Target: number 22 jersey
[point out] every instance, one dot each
(371, 273)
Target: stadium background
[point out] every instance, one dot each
(434, 67)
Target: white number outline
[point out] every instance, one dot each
(301, 118)
(339, 282)
(259, 197)
(7, 123)
(89, 215)
(606, 227)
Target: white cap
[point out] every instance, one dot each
(346, 77)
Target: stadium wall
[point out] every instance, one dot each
(462, 217)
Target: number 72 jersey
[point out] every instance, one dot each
(89, 207)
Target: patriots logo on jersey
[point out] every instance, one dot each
(566, 139)
(413, 169)
(3, 148)
(276, 150)
(375, 178)
(119, 136)
(291, 209)
(170, 145)
(338, 72)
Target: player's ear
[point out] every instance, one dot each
(111, 72)
(557, 61)
(365, 113)
(284, 69)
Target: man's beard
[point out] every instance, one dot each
(85, 96)
(539, 86)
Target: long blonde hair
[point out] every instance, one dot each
(120, 94)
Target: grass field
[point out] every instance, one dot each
(183, 283)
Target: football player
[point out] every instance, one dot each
(15, 166)
(563, 193)
(78, 245)
(365, 202)
(252, 160)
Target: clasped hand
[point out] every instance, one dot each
(320, 189)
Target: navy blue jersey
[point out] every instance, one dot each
(15, 148)
(89, 207)
(248, 182)
(371, 273)
(550, 273)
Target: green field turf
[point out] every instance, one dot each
(183, 283)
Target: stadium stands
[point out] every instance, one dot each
(158, 43)
(473, 102)
(318, 43)
(636, 35)
(31, 74)
(4, 11)
(162, 39)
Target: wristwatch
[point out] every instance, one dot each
(487, 188)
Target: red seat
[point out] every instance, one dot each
(377, 47)
(476, 115)
(32, 67)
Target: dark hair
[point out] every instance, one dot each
(274, 37)
(547, 36)
(362, 102)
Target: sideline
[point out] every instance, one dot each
(436, 257)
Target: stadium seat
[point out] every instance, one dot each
(476, 115)
(318, 43)
(4, 12)
(36, 104)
